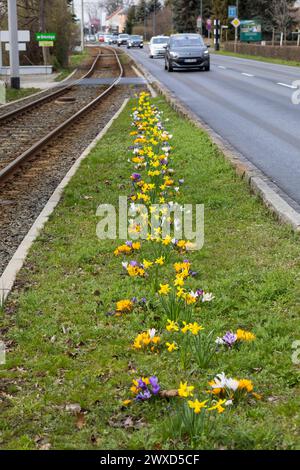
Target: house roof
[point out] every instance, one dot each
(119, 11)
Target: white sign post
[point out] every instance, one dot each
(13, 41)
(23, 37)
(236, 23)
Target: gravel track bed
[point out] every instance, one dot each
(23, 197)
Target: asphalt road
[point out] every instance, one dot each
(248, 103)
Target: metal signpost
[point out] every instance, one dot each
(45, 40)
(208, 26)
(236, 23)
(217, 34)
(13, 41)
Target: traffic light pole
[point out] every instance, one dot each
(13, 45)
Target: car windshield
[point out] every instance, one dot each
(159, 41)
(123, 36)
(136, 37)
(187, 41)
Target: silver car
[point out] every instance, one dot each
(158, 46)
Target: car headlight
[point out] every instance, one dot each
(206, 52)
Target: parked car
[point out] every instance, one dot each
(185, 51)
(158, 46)
(101, 38)
(135, 41)
(122, 39)
(107, 38)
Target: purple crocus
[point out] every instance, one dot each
(164, 161)
(229, 338)
(181, 181)
(142, 385)
(199, 292)
(128, 243)
(134, 263)
(155, 385)
(143, 396)
(134, 300)
(143, 300)
(136, 177)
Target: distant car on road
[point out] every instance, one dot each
(113, 39)
(122, 39)
(101, 38)
(158, 46)
(135, 41)
(186, 51)
(90, 38)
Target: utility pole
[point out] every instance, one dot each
(154, 18)
(201, 14)
(13, 45)
(82, 25)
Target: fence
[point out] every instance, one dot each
(277, 52)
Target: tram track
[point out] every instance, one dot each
(25, 188)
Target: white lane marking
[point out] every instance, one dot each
(287, 86)
(221, 67)
(247, 74)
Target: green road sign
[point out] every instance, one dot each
(250, 31)
(45, 36)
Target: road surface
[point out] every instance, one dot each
(248, 103)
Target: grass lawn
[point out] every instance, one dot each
(74, 61)
(64, 349)
(12, 94)
(292, 63)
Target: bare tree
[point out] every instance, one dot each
(281, 15)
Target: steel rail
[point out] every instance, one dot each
(48, 97)
(5, 172)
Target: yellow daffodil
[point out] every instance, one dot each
(197, 405)
(160, 261)
(185, 390)
(218, 406)
(171, 347)
(172, 326)
(164, 289)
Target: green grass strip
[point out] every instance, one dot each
(65, 350)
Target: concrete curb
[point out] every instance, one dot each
(8, 277)
(259, 183)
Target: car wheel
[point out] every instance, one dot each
(151, 56)
(170, 68)
(207, 68)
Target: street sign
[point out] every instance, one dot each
(45, 36)
(232, 11)
(236, 22)
(46, 43)
(21, 46)
(23, 36)
(251, 31)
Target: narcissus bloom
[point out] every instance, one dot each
(164, 289)
(172, 326)
(185, 390)
(171, 347)
(218, 406)
(197, 405)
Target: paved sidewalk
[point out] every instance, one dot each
(36, 81)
